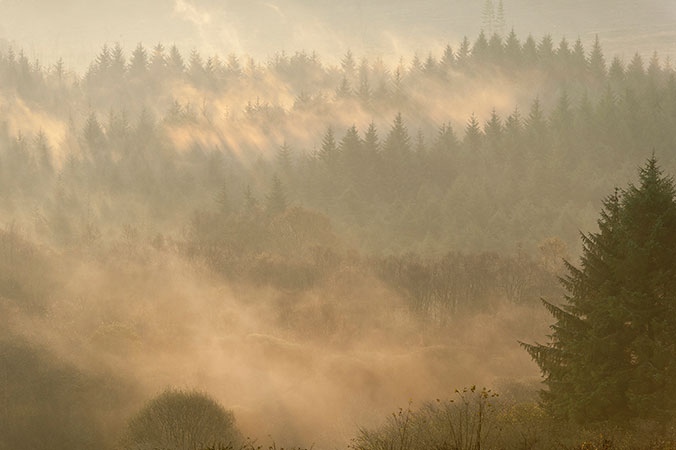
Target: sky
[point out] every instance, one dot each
(76, 29)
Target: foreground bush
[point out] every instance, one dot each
(481, 420)
(179, 420)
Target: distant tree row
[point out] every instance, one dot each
(113, 71)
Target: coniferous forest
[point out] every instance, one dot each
(467, 247)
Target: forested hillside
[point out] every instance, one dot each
(314, 244)
(399, 158)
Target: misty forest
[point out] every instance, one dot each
(467, 246)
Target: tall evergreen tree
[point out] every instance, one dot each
(118, 65)
(473, 134)
(276, 202)
(512, 49)
(158, 61)
(530, 51)
(480, 48)
(285, 158)
(500, 21)
(612, 354)
(463, 54)
(488, 16)
(175, 62)
(344, 90)
(579, 58)
(448, 58)
(493, 130)
(138, 65)
(250, 200)
(329, 150)
(398, 142)
(597, 62)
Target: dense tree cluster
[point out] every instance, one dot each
(535, 173)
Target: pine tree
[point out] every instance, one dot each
(329, 150)
(420, 145)
(448, 58)
(118, 65)
(285, 158)
(398, 142)
(93, 133)
(561, 119)
(103, 61)
(530, 51)
(430, 66)
(513, 129)
(158, 62)
(536, 129)
(536, 123)
(351, 152)
(563, 53)
(654, 70)
(175, 62)
(351, 143)
(196, 67)
(371, 146)
(496, 49)
(138, 66)
(371, 143)
(233, 67)
(612, 354)
(250, 200)
(480, 48)
(416, 66)
(545, 50)
(276, 199)
(493, 130)
(364, 92)
(488, 16)
(513, 49)
(597, 62)
(464, 51)
(616, 72)
(473, 134)
(635, 70)
(500, 22)
(44, 154)
(344, 91)
(348, 65)
(579, 62)
(446, 140)
(60, 69)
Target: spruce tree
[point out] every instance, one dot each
(473, 134)
(448, 58)
(276, 199)
(118, 64)
(612, 354)
(513, 49)
(597, 62)
(138, 65)
(493, 130)
(398, 142)
(464, 51)
(488, 16)
(285, 158)
(329, 151)
(500, 22)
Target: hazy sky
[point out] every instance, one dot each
(76, 29)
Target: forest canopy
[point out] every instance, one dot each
(202, 250)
